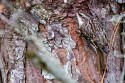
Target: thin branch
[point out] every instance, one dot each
(47, 57)
(111, 46)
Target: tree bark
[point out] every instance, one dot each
(59, 28)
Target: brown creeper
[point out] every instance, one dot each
(95, 35)
(92, 31)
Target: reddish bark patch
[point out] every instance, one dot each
(85, 58)
(73, 30)
(62, 54)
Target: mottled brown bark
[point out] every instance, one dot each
(61, 33)
(12, 53)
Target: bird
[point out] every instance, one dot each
(95, 35)
(92, 31)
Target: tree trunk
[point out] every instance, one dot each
(60, 29)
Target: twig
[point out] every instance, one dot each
(51, 62)
(111, 46)
(47, 57)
